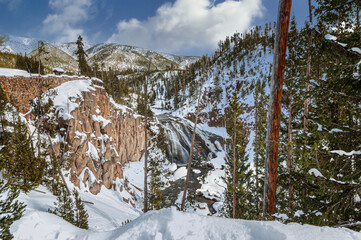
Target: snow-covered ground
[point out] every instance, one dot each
(107, 215)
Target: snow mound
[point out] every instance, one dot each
(172, 224)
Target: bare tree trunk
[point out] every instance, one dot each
(269, 198)
(308, 73)
(146, 146)
(310, 10)
(191, 149)
(39, 57)
(234, 167)
(60, 172)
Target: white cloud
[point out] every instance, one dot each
(68, 15)
(189, 25)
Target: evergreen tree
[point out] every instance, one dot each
(21, 167)
(84, 68)
(3, 39)
(156, 169)
(81, 215)
(3, 105)
(259, 143)
(10, 209)
(237, 172)
(64, 207)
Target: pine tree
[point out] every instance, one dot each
(64, 206)
(84, 68)
(3, 39)
(21, 167)
(81, 215)
(10, 209)
(334, 13)
(259, 143)
(237, 172)
(3, 105)
(156, 169)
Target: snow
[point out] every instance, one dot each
(330, 37)
(60, 70)
(92, 151)
(105, 214)
(356, 49)
(357, 198)
(213, 185)
(163, 224)
(299, 213)
(180, 173)
(315, 172)
(66, 92)
(282, 216)
(341, 152)
(101, 119)
(9, 72)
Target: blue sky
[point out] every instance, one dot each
(185, 27)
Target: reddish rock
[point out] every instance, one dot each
(119, 142)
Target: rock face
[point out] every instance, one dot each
(102, 139)
(24, 89)
(101, 136)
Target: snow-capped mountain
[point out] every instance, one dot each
(21, 45)
(106, 55)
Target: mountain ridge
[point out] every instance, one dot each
(116, 56)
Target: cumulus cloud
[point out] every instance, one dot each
(65, 22)
(188, 25)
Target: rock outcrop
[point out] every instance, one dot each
(100, 136)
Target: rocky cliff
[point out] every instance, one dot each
(100, 135)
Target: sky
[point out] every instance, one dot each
(183, 27)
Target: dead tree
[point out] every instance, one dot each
(192, 145)
(146, 143)
(274, 111)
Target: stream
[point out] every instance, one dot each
(178, 132)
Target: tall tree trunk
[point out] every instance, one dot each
(269, 199)
(191, 149)
(308, 72)
(234, 166)
(146, 145)
(60, 172)
(40, 87)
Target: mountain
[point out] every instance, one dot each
(106, 55)
(21, 45)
